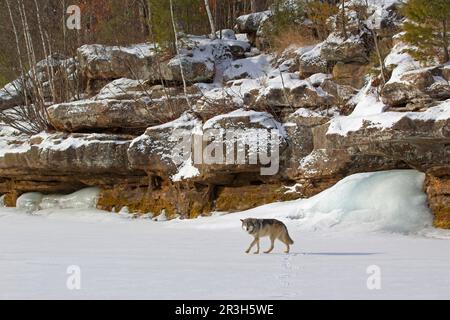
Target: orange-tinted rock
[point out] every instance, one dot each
(438, 193)
(231, 199)
(184, 199)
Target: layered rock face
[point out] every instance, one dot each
(121, 107)
(248, 129)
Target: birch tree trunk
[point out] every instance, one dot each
(178, 53)
(211, 20)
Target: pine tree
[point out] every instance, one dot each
(190, 17)
(427, 29)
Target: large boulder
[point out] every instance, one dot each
(250, 23)
(354, 46)
(341, 92)
(385, 20)
(299, 134)
(194, 69)
(251, 68)
(123, 105)
(337, 49)
(128, 89)
(288, 91)
(234, 95)
(311, 62)
(234, 143)
(198, 57)
(195, 62)
(125, 89)
(112, 62)
(110, 115)
(160, 150)
(412, 87)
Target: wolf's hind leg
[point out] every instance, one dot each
(286, 240)
(272, 243)
(286, 243)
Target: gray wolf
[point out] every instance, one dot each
(272, 228)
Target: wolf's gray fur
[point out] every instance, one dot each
(272, 228)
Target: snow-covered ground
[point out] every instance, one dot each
(368, 225)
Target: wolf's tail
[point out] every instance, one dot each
(288, 238)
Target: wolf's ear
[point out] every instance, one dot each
(242, 220)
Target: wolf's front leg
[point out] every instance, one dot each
(251, 246)
(257, 246)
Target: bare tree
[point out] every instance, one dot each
(344, 20)
(178, 53)
(211, 19)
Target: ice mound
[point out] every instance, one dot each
(82, 199)
(391, 201)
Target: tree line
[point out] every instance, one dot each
(121, 22)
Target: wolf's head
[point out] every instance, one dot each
(249, 224)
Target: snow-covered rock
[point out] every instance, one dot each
(299, 134)
(419, 139)
(234, 95)
(160, 149)
(250, 23)
(415, 86)
(148, 108)
(287, 90)
(253, 68)
(245, 132)
(353, 49)
(112, 62)
(88, 115)
(200, 57)
(124, 89)
(311, 62)
(384, 18)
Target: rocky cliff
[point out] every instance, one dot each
(330, 118)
